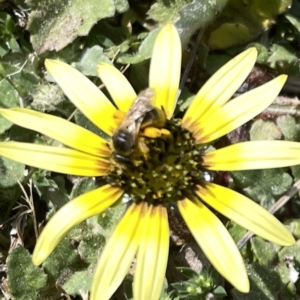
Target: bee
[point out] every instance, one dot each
(141, 114)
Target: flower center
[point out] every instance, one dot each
(168, 169)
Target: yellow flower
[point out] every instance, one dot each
(171, 173)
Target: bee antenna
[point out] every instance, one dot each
(164, 111)
(108, 145)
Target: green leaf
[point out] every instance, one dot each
(53, 24)
(185, 14)
(79, 232)
(21, 134)
(89, 60)
(4, 49)
(4, 17)
(63, 261)
(184, 101)
(24, 279)
(50, 189)
(292, 252)
(80, 282)
(187, 272)
(267, 9)
(230, 34)
(102, 224)
(294, 21)
(263, 52)
(164, 292)
(15, 83)
(264, 251)
(296, 172)
(196, 15)
(289, 264)
(243, 21)
(121, 5)
(181, 288)
(293, 226)
(264, 130)
(90, 246)
(290, 276)
(10, 25)
(55, 191)
(139, 75)
(236, 231)
(8, 98)
(289, 128)
(163, 11)
(265, 284)
(219, 292)
(215, 62)
(47, 97)
(20, 79)
(284, 58)
(295, 10)
(83, 185)
(109, 218)
(264, 186)
(10, 172)
(144, 52)
(40, 180)
(110, 37)
(13, 45)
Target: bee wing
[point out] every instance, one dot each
(134, 118)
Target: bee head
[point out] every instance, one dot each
(123, 142)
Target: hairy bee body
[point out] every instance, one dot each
(142, 114)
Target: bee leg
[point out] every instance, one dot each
(153, 132)
(143, 148)
(121, 160)
(109, 146)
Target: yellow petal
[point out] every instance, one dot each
(71, 214)
(238, 111)
(165, 68)
(152, 255)
(216, 243)
(253, 155)
(117, 85)
(84, 94)
(61, 160)
(118, 254)
(245, 212)
(59, 129)
(219, 88)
